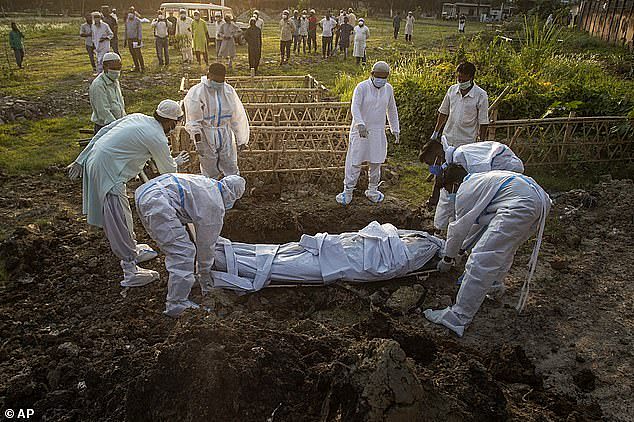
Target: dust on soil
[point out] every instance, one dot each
(74, 348)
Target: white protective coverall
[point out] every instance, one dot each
(101, 36)
(476, 157)
(116, 154)
(508, 207)
(220, 119)
(169, 202)
(370, 106)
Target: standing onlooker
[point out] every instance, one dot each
(229, 31)
(339, 20)
(312, 30)
(101, 35)
(16, 40)
(461, 23)
(259, 22)
(361, 35)
(287, 29)
(85, 31)
(184, 36)
(253, 36)
(352, 18)
(296, 37)
(303, 30)
(161, 34)
(172, 26)
(106, 99)
(344, 38)
(328, 25)
(199, 33)
(409, 26)
(217, 25)
(396, 24)
(113, 23)
(134, 39)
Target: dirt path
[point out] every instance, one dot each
(74, 348)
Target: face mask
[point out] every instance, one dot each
(360, 23)
(285, 17)
(216, 86)
(113, 74)
(97, 22)
(161, 16)
(379, 82)
(435, 169)
(465, 85)
(196, 18)
(130, 16)
(182, 17)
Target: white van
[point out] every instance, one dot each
(207, 11)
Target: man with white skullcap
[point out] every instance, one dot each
(169, 202)
(106, 99)
(372, 100)
(114, 156)
(101, 36)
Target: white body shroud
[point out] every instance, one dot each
(375, 253)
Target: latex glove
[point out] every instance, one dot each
(75, 170)
(445, 264)
(182, 158)
(363, 131)
(397, 137)
(434, 136)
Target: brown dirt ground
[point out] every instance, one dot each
(75, 349)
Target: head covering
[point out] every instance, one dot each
(285, 12)
(96, 15)
(231, 188)
(196, 12)
(169, 109)
(381, 66)
(111, 57)
(350, 10)
(256, 12)
(218, 14)
(182, 11)
(362, 20)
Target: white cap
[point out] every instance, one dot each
(111, 57)
(182, 11)
(381, 67)
(231, 188)
(169, 109)
(96, 15)
(285, 12)
(196, 12)
(361, 20)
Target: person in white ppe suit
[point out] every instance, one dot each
(101, 36)
(169, 202)
(114, 156)
(474, 158)
(463, 118)
(372, 100)
(496, 212)
(215, 118)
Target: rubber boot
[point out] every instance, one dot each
(345, 197)
(144, 253)
(373, 194)
(135, 276)
(175, 309)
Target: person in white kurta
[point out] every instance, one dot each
(409, 26)
(101, 36)
(463, 117)
(361, 35)
(506, 208)
(217, 121)
(114, 156)
(169, 202)
(372, 101)
(184, 36)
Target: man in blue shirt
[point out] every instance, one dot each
(134, 38)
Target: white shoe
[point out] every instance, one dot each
(345, 197)
(144, 253)
(135, 276)
(175, 309)
(374, 195)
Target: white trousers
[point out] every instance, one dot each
(445, 210)
(162, 223)
(118, 223)
(101, 51)
(218, 153)
(353, 172)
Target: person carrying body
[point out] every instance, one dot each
(106, 99)
(217, 122)
(169, 202)
(114, 156)
(372, 100)
(496, 212)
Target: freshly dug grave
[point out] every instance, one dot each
(75, 348)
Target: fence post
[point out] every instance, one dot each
(491, 128)
(567, 136)
(276, 146)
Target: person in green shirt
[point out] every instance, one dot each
(106, 99)
(199, 32)
(16, 40)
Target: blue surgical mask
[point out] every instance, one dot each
(113, 74)
(379, 82)
(216, 86)
(451, 197)
(435, 169)
(465, 85)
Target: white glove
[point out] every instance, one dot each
(397, 139)
(363, 131)
(75, 170)
(182, 158)
(444, 265)
(434, 135)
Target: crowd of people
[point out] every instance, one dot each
(484, 204)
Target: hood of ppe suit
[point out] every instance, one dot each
(232, 188)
